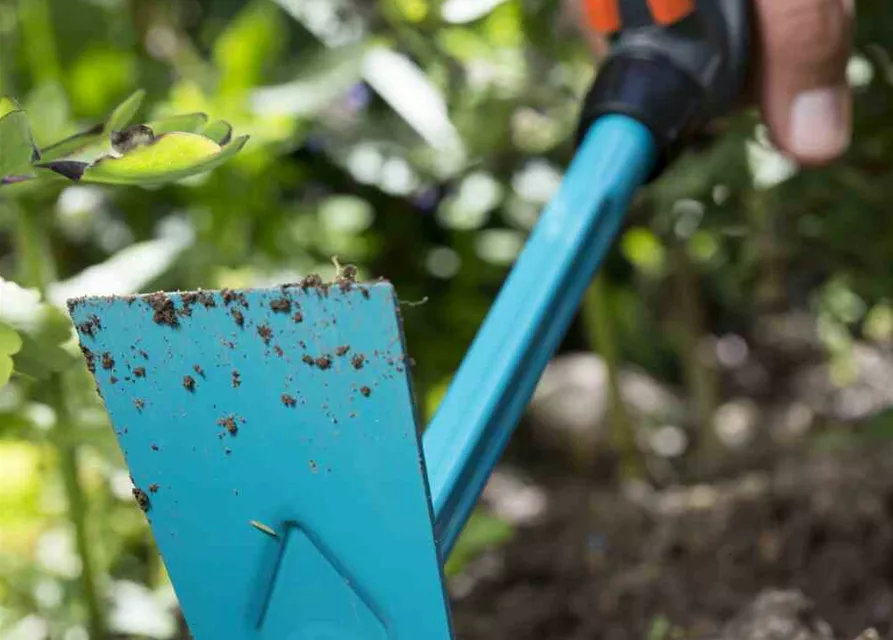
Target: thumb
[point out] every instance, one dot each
(803, 53)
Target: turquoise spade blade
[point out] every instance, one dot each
(272, 440)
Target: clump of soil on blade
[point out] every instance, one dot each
(89, 358)
(229, 423)
(142, 499)
(281, 305)
(164, 311)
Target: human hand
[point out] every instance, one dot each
(800, 55)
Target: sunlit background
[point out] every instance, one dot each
(745, 315)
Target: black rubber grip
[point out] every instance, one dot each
(674, 79)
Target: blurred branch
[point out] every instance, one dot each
(37, 268)
(600, 327)
(698, 366)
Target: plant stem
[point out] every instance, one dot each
(37, 268)
(698, 368)
(600, 326)
(69, 467)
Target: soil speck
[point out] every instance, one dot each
(139, 404)
(107, 361)
(298, 317)
(236, 379)
(90, 327)
(281, 305)
(279, 351)
(358, 361)
(188, 299)
(311, 281)
(143, 354)
(238, 316)
(113, 380)
(265, 333)
(229, 296)
(229, 423)
(140, 372)
(324, 362)
(154, 487)
(189, 383)
(306, 359)
(288, 401)
(154, 447)
(366, 391)
(342, 350)
(90, 359)
(198, 370)
(206, 299)
(141, 498)
(313, 466)
(165, 313)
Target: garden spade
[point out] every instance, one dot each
(271, 434)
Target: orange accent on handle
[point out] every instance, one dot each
(603, 15)
(667, 12)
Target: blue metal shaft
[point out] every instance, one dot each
(495, 381)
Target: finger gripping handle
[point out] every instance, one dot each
(674, 65)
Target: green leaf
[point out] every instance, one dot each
(85, 146)
(10, 341)
(17, 150)
(219, 131)
(247, 46)
(8, 105)
(55, 326)
(124, 112)
(38, 359)
(643, 249)
(170, 157)
(187, 123)
(94, 143)
(5, 369)
(10, 344)
(40, 350)
(482, 533)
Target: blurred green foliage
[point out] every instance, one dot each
(417, 139)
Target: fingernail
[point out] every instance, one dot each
(819, 126)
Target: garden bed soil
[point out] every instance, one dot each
(684, 562)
